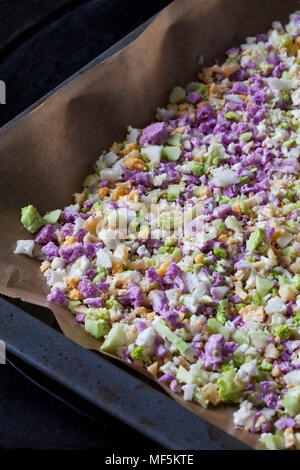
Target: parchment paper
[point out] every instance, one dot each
(46, 154)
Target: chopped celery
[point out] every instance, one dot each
(219, 252)
(216, 327)
(263, 286)
(115, 338)
(52, 217)
(177, 95)
(174, 139)
(31, 219)
(218, 224)
(174, 191)
(73, 304)
(90, 180)
(255, 239)
(97, 328)
(166, 333)
(246, 136)
(172, 153)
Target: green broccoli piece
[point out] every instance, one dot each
(96, 207)
(97, 328)
(285, 40)
(296, 281)
(228, 389)
(273, 441)
(231, 115)
(138, 354)
(285, 332)
(112, 303)
(218, 224)
(296, 319)
(219, 252)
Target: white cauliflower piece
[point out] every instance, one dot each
(275, 305)
(25, 247)
(104, 258)
(244, 416)
(247, 370)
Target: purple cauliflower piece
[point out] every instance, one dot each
(50, 250)
(166, 378)
(154, 277)
(80, 234)
(134, 296)
(90, 273)
(94, 302)
(154, 134)
(194, 97)
(80, 318)
(46, 234)
(159, 302)
(218, 279)
(91, 249)
(57, 296)
(222, 211)
(69, 217)
(72, 252)
(240, 88)
(284, 423)
(102, 285)
(272, 401)
(205, 112)
(87, 288)
(140, 177)
(213, 351)
(174, 386)
(172, 271)
(67, 229)
(265, 385)
(228, 348)
(171, 318)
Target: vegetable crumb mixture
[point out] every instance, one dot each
(182, 252)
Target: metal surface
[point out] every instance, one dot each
(105, 383)
(102, 382)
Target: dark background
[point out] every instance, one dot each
(43, 42)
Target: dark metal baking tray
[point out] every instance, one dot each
(32, 335)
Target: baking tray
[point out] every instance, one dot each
(32, 335)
